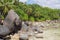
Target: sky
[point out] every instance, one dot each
(47, 3)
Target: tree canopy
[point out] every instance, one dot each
(29, 12)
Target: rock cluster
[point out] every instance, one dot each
(33, 30)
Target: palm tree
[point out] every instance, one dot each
(6, 5)
(16, 2)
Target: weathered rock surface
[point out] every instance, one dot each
(1, 39)
(8, 24)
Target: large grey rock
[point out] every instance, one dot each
(1, 39)
(9, 24)
(4, 30)
(11, 16)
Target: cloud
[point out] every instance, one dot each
(48, 3)
(23, 0)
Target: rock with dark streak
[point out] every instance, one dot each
(10, 24)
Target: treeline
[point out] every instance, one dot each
(34, 12)
(31, 12)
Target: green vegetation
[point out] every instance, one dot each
(28, 12)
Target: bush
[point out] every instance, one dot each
(24, 17)
(31, 19)
(37, 19)
(2, 17)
